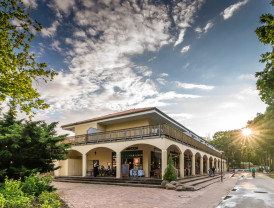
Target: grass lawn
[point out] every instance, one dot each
(271, 174)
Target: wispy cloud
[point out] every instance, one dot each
(247, 77)
(50, 31)
(186, 65)
(194, 86)
(56, 46)
(164, 75)
(30, 3)
(206, 27)
(101, 76)
(185, 49)
(229, 11)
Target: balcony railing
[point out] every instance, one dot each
(140, 133)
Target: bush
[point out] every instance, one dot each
(170, 172)
(13, 196)
(17, 194)
(49, 200)
(33, 185)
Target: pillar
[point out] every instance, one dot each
(207, 165)
(182, 165)
(164, 162)
(118, 164)
(212, 163)
(193, 165)
(201, 165)
(84, 165)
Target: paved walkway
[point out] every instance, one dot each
(251, 192)
(107, 196)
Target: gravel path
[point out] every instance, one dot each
(107, 196)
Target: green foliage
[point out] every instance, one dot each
(33, 185)
(265, 82)
(49, 200)
(18, 66)
(13, 195)
(170, 172)
(27, 146)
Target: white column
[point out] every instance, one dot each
(118, 164)
(202, 165)
(84, 165)
(182, 165)
(193, 165)
(164, 162)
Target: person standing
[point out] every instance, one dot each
(95, 168)
(213, 171)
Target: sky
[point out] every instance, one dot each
(195, 60)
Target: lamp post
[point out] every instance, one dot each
(221, 165)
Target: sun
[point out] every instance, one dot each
(246, 132)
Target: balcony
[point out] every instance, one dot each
(144, 132)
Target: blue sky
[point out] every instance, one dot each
(193, 59)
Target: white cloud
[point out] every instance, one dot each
(185, 49)
(194, 86)
(208, 26)
(229, 11)
(56, 46)
(161, 81)
(152, 59)
(186, 65)
(63, 5)
(198, 30)
(31, 3)
(164, 75)
(50, 31)
(101, 77)
(247, 77)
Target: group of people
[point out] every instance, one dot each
(100, 170)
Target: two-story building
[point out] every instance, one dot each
(142, 139)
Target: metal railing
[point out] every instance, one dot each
(140, 133)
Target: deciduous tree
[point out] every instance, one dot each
(18, 67)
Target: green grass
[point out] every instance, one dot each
(271, 175)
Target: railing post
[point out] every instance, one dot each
(159, 130)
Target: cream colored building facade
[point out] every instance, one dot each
(144, 139)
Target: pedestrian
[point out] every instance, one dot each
(95, 169)
(213, 171)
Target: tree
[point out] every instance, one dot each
(18, 68)
(265, 82)
(170, 172)
(28, 146)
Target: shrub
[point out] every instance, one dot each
(33, 185)
(13, 196)
(170, 172)
(49, 200)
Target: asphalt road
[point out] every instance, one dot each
(251, 192)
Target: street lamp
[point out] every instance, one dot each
(221, 165)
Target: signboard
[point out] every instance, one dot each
(125, 170)
(134, 173)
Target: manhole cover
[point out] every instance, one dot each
(227, 197)
(183, 196)
(260, 192)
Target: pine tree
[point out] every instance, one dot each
(170, 172)
(28, 146)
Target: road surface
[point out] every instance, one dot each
(251, 192)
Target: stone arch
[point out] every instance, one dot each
(175, 152)
(189, 163)
(205, 164)
(198, 164)
(104, 156)
(149, 157)
(210, 162)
